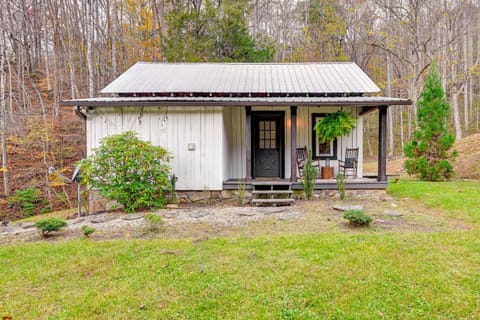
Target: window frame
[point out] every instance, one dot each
(333, 144)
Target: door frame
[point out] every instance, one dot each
(277, 115)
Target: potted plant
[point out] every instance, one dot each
(334, 125)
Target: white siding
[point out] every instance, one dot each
(234, 121)
(172, 128)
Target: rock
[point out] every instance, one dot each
(197, 197)
(78, 220)
(342, 208)
(225, 195)
(132, 216)
(100, 219)
(392, 214)
(171, 206)
(198, 214)
(27, 225)
(394, 205)
(169, 215)
(246, 213)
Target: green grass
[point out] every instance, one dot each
(330, 275)
(459, 198)
(57, 214)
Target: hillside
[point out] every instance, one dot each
(467, 165)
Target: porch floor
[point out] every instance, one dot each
(320, 184)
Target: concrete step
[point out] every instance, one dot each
(273, 201)
(272, 192)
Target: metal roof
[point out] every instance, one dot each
(238, 101)
(243, 78)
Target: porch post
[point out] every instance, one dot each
(248, 143)
(382, 144)
(293, 144)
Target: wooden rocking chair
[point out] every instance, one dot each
(302, 156)
(348, 167)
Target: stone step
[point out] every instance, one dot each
(272, 192)
(273, 201)
(271, 183)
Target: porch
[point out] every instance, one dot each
(364, 183)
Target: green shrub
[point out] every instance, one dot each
(357, 217)
(49, 225)
(309, 175)
(28, 200)
(341, 185)
(154, 222)
(240, 194)
(130, 171)
(87, 230)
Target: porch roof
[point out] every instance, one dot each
(237, 101)
(243, 79)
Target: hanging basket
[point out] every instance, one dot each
(334, 125)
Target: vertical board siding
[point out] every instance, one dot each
(235, 136)
(172, 128)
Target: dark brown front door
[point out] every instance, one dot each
(267, 136)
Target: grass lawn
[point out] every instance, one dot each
(330, 275)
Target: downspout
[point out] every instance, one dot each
(78, 112)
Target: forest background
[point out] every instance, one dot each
(52, 50)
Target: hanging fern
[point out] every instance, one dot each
(334, 125)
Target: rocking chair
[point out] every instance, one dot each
(348, 167)
(302, 157)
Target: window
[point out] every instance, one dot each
(267, 134)
(322, 150)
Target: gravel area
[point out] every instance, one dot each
(121, 224)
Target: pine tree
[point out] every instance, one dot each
(430, 157)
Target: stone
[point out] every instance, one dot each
(76, 221)
(171, 206)
(27, 225)
(246, 213)
(100, 219)
(394, 205)
(197, 197)
(392, 214)
(225, 194)
(132, 216)
(198, 214)
(168, 215)
(342, 208)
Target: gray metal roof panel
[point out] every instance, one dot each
(237, 101)
(243, 78)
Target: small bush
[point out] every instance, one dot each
(154, 222)
(241, 194)
(28, 200)
(131, 171)
(47, 226)
(309, 175)
(358, 217)
(87, 230)
(341, 185)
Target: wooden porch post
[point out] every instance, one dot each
(248, 143)
(382, 144)
(293, 144)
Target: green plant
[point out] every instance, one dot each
(154, 222)
(341, 185)
(130, 171)
(28, 200)
(49, 225)
(309, 175)
(357, 217)
(334, 125)
(429, 151)
(240, 193)
(87, 230)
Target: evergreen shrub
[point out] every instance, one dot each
(357, 217)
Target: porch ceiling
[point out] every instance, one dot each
(237, 101)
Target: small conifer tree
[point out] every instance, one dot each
(309, 175)
(430, 157)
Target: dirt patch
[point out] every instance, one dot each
(467, 164)
(203, 222)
